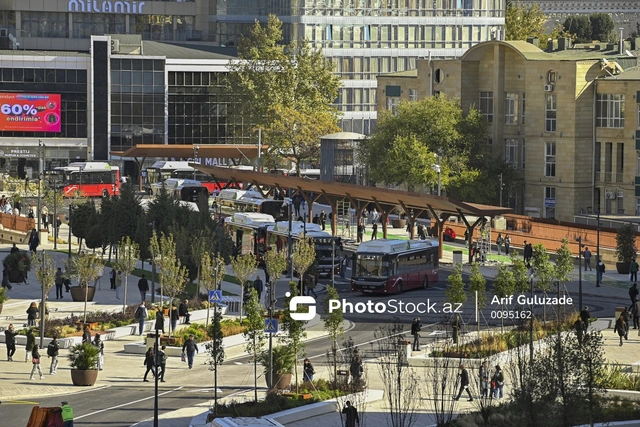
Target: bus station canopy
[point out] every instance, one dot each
(186, 151)
(416, 204)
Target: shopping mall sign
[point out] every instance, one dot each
(106, 6)
(19, 153)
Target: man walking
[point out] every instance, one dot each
(59, 281)
(464, 383)
(67, 414)
(633, 270)
(112, 278)
(141, 316)
(527, 253)
(10, 341)
(52, 352)
(259, 287)
(323, 219)
(191, 349)
(374, 231)
(587, 259)
(416, 326)
(143, 287)
(600, 270)
(162, 361)
(633, 293)
(585, 316)
(352, 418)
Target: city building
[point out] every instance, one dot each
(363, 38)
(143, 92)
(558, 117)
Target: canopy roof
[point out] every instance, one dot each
(221, 151)
(339, 190)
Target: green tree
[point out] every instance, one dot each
(478, 288)
(174, 276)
(163, 255)
(601, 26)
(243, 268)
(45, 269)
(543, 271)
(419, 133)
(80, 217)
(126, 211)
(254, 334)
(520, 272)
(303, 256)
(276, 263)
(215, 349)
(579, 26)
(128, 256)
(503, 286)
(523, 22)
(455, 292)
(334, 326)
(84, 267)
(284, 84)
(212, 272)
(294, 330)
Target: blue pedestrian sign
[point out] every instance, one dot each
(271, 326)
(215, 296)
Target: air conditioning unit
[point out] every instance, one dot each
(609, 194)
(115, 45)
(548, 88)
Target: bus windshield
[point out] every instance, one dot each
(371, 266)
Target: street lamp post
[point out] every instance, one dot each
(41, 150)
(579, 240)
(501, 186)
(196, 148)
(153, 270)
(43, 305)
(598, 247)
(437, 168)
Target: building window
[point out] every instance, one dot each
(637, 163)
(522, 159)
(609, 110)
(550, 113)
(638, 122)
(620, 202)
(392, 103)
(523, 108)
(550, 159)
(511, 109)
(619, 161)
(486, 105)
(511, 152)
(637, 206)
(549, 202)
(413, 95)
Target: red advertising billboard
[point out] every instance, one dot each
(30, 112)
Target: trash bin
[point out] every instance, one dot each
(151, 341)
(457, 257)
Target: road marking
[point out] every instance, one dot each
(18, 402)
(126, 404)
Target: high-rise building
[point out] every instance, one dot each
(363, 38)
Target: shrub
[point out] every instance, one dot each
(20, 261)
(83, 356)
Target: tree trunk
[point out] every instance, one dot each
(124, 298)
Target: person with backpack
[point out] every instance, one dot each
(141, 315)
(99, 344)
(35, 359)
(497, 383)
(52, 352)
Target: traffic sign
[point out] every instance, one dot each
(215, 296)
(271, 326)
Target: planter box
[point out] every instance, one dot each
(16, 276)
(78, 293)
(398, 223)
(84, 378)
(622, 267)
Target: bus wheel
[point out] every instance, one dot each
(425, 285)
(400, 287)
(105, 193)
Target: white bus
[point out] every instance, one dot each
(249, 232)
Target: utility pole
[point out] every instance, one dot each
(41, 149)
(43, 305)
(579, 240)
(501, 185)
(598, 246)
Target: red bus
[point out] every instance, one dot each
(89, 179)
(391, 266)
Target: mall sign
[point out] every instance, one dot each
(106, 6)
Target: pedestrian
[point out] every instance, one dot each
(259, 287)
(497, 383)
(507, 244)
(35, 360)
(323, 219)
(308, 371)
(484, 379)
(162, 361)
(141, 316)
(310, 284)
(499, 242)
(118, 284)
(183, 311)
(34, 241)
(67, 414)
(527, 253)
(98, 281)
(585, 317)
(579, 330)
(59, 280)
(351, 415)
(10, 341)
(32, 314)
(14, 249)
(416, 327)
(112, 278)
(356, 369)
(149, 362)
(175, 316)
(587, 259)
(31, 343)
(626, 316)
(99, 344)
(620, 328)
(600, 270)
(143, 287)
(86, 335)
(191, 349)
(45, 218)
(159, 326)
(52, 351)
(633, 293)
(374, 231)
(635, 311)
(463, 376)
(5, 278)
(633, 271)
(316, 219)
(67, 284)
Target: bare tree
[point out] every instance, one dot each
(304, 254)
(255, 335)
(243, 267)
(84, 267)
(334, 326)
(128, 254)
(211, 275)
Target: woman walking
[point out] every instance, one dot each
(31, 343)
(10, 340)
(35, 359)
(149, 362)
(32, 314)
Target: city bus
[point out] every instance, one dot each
(248, 230)
(388, 266)
(89, 179)
(187, 190)
(233, 200)
(328, 248)
(164, 169)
